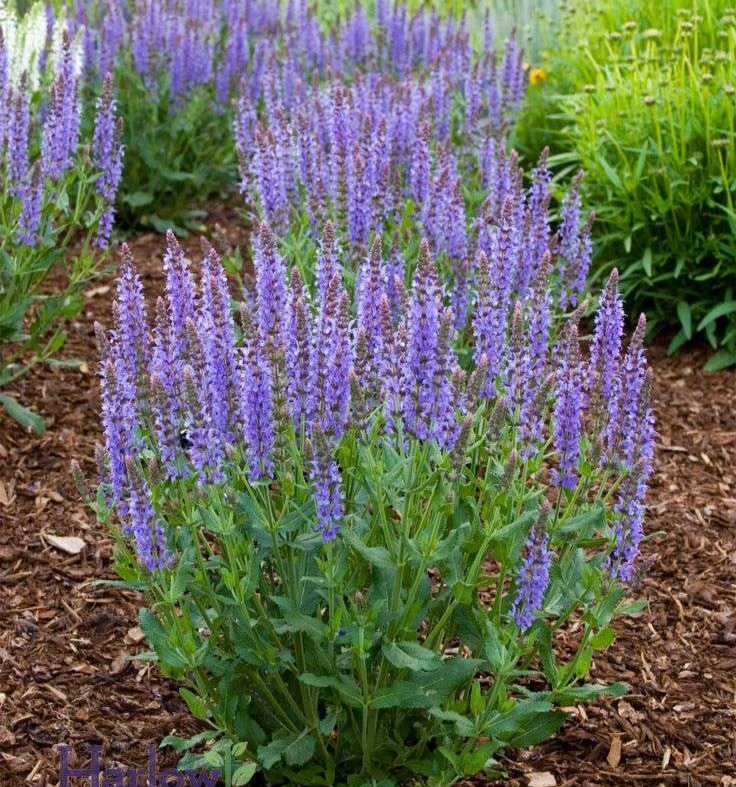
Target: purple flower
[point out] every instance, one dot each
(17, 138)
(119, 420)
(537, 228)
(131, 335)
(327, 487)
(533, 578)
(181, 299)
(217, 355)
(271, 289)
(30, 214)
(629, 527)
(490, 320)
(429, 394)
(605, 351)
(327, 263)
(536, 351)
(569, 407)
(370, 288)
(257, 399)
(61, 129)
(624, 429)
(202, 448)
(420, 165)
(575, 245)
(331, 364)
(298, 348)
(107, 156)
(5, 94)
(142, 522)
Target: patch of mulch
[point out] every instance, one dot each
(63, 639)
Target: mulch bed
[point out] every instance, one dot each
(64, 677)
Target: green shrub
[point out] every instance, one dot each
(643, 96)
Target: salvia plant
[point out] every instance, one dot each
(362, 531)
(56, 206)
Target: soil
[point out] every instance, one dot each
(65, 678)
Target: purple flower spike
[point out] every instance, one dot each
(107, 156)
(30, 214)
(181, 297)
(259, 427)
(633, 372)
(298, 348)
(4, 93)
(17, 138)
(131, 335)
(327, 487)
(490, 321)
(533, 579)
(536, 351)
(331, 364)
(327, 263)
(605, 351)
(143, 523)
(429, 392)
(271, 289)
(369, 292)
(629, 528)
(422, 342)
(61, 129)
(568, 409)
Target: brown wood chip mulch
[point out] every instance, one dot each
(64, 677)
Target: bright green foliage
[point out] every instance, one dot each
(643, 96)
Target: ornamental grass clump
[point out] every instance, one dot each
(56, 206)
(361, 531)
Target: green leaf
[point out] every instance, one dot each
(295, 620)
(463, 725)
(411, 656)
(376, 556)
(721, 360)
(159, 641)
(529, 723)
(677, 341)
(588, 692)
(611, 172)
(213, 758)
(346, 687)
(293, 749)
(195, 704)
(684, 312)
(138, 199)
(182, 744)
(494, 648)
(646, 262)
(28, 419)
(603, 638)
(582, 525)
(428, 689)
(723, 309)
(244, 774)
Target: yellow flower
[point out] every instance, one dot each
(537, 75)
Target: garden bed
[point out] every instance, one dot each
(64, 676)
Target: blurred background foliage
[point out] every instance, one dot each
(640, 94)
